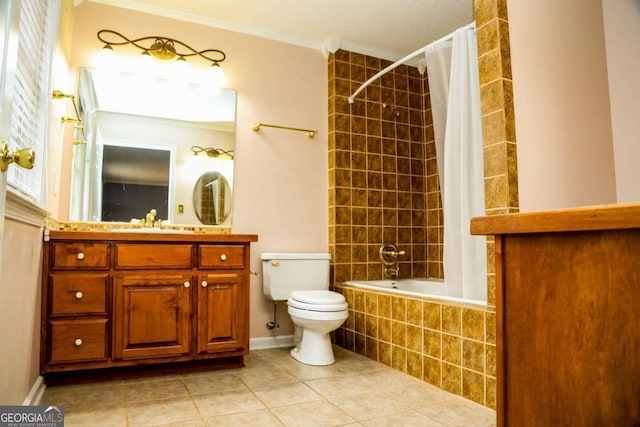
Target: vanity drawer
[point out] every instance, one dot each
(78, 340)
(73, 294)
(221, 256)
(80, 255)
(153, 256)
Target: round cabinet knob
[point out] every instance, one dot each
(79, 295)
(187, 284)
(223, 257)
(80, 255)
(78, 342)
(204, 284)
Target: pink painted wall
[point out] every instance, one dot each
(622, 33)
(281, 178)
(561, 99)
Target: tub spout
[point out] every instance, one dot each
(392, 272)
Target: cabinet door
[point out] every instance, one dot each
(151, 316)
(222, 313)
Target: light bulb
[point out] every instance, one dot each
(215, 76)
(180, 70)
(145, 65)
(106, 59)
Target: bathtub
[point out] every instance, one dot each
(432, 289)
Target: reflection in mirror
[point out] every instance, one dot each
(156, 119)
(134, 181)
(212, 198)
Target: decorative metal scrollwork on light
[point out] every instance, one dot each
(166, 48)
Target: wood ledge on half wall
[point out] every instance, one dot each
(589, 218)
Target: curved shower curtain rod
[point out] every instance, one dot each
(405, 59)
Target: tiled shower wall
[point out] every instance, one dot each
(383, 185)
(446, 350)
(384, 189)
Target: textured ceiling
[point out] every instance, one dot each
(389, 29)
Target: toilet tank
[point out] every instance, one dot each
(283, 273)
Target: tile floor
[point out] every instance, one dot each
(272, 390)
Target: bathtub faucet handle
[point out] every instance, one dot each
(389, 254)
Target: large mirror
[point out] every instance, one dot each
(145, 145)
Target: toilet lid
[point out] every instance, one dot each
(317, 300)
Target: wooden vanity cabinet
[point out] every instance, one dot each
(120, 299)
(151, 316)
(222, 298)
(221, 314)
(567, 316)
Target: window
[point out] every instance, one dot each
(32, 93)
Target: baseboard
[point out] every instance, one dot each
(263, 343)
(36, 393)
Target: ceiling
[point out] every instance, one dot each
(388, 29)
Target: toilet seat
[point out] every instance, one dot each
(317, 300)
(307, 315)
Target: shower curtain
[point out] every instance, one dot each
(452, 68)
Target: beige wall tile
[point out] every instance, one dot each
(399, 358)
(473, 324)
(473, 355)
(384, 353)
(491, 360)
(371, 324)
(431, 316)
(371, 303)
(414, 338)
(452, 349)
(487, 37)
(473, 387)
(490, 393)
(485, 11)
(490, 66)
(490, 319)
(399, 333)
(452, 378)
(384, 329)
(414, 312)
(432, 371)
(451, 319)
(399, 309)
(384, 306)
(414, 364)
(432, 343)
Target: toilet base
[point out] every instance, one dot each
(313, 349)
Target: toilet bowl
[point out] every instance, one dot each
(302, 279)
(315, 314)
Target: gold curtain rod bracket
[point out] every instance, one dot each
(310, 133)
(58, 94)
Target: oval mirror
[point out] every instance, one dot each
(212, 198)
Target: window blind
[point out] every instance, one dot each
(32, 92)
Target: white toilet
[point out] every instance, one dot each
(302, 279)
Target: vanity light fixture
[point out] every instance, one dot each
(78, 137)
(211, 152)
(167, 48)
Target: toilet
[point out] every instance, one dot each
(302, 279)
